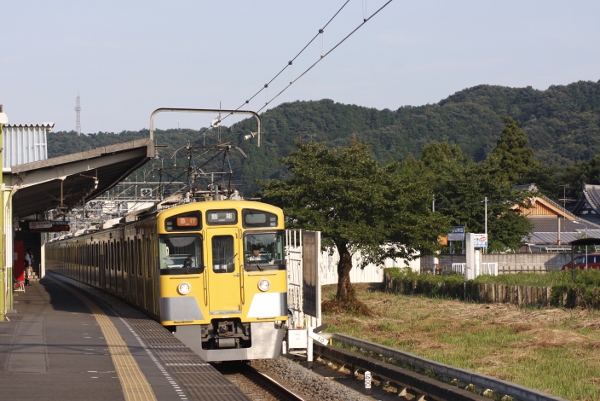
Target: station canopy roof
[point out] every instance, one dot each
(65, 181)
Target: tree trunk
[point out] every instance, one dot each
(344, 289)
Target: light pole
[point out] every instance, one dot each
(585, 236)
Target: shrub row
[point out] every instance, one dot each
(560, 289)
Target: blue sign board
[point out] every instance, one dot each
(457, 234)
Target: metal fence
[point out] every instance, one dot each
(293, 260)
(486, 268)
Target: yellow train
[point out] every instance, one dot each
(212, 272)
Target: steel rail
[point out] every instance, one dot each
(447, 373)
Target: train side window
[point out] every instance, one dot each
(112, 256)
(119, 258)
(223, 254)
(146, 266)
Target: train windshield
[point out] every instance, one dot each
(264, 251)
(180, 254)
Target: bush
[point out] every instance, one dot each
(568, 288)
(410, 283)
(550, 279)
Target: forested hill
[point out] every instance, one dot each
(562, 125)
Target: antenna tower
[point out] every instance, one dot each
(77, 110)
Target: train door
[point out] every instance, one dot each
(148, 276)
(139, 275)
(102, 266)
(132, 271)
(224, 279)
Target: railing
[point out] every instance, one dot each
(541, 269)
(459, 268)
(489, 268)
(486, 268)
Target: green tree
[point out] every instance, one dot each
(357, 205)
(461, 188)
(478, 188)
(512, 157)
(442, 158)
(584, 172)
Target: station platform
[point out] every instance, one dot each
(69, 341)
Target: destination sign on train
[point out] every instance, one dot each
(187, 221)
(221, 216)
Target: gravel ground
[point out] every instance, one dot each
(311, 384)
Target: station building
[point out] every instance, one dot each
(33, 184)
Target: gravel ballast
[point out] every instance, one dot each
(305, 382)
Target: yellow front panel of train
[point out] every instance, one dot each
(182, 300)
(266, 294)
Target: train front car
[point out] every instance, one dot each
(223, 283)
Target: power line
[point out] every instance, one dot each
(290, 63)
(323, 56)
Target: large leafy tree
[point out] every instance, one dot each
(461, 188)
(440, 164)
(357, 205)
(477, 190)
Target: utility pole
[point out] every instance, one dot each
(486, 228)
(564, 199)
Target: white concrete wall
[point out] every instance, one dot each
(370, 274)
(526, 262)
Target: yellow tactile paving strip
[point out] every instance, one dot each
(133, 381)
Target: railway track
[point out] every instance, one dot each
(450, 383)
(258, 386)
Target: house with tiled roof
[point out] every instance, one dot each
(554, 227)
(588, 204)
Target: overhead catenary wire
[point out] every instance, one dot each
(323, 55)
(266, 86)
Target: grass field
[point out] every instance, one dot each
(552, 350)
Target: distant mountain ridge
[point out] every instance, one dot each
(562, 125)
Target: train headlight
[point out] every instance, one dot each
(184, 288)
(264, 285)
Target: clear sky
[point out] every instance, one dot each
(126, 58)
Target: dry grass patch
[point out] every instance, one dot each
(539, 348)
(552, 338)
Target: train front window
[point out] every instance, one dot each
(180, 254)
(264, 251)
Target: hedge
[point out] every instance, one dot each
(558, 289)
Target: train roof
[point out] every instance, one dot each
(220, 204)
